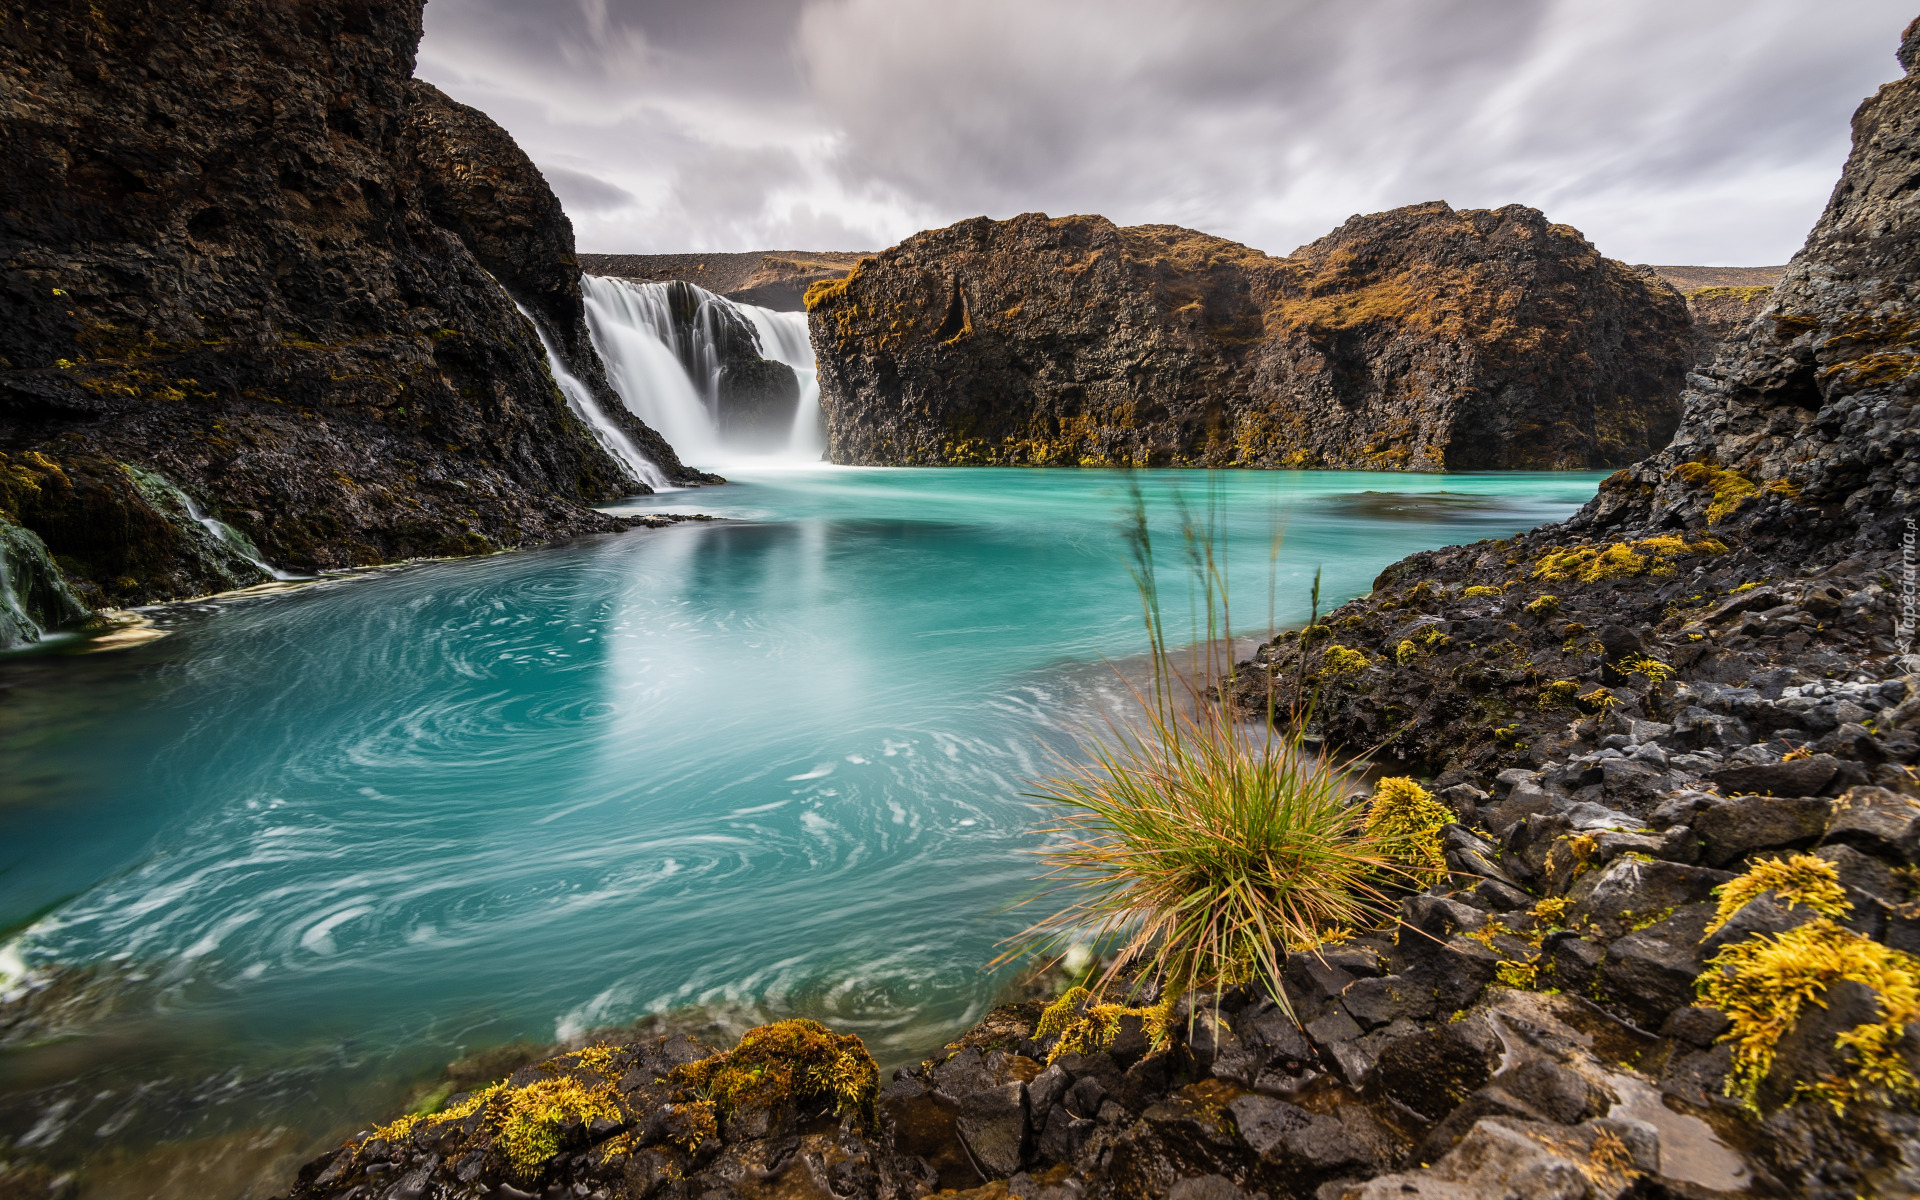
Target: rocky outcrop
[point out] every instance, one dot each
(1418, 339)
(776, 279)
(246, 252)
(1705, 671)
(1761, 548)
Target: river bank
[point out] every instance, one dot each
(352, 833)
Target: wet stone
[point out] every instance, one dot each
(1739, 826)
(1205, 1187)
(1801, 777)
(1378, 1001)
(1696, 1025)
(1046, 1089)
(993, 1124)
(1064, 1135)
(1877, 821)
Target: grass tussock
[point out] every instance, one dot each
(1201, 848)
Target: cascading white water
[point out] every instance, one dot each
(784, 338)
(611, 437)
(674, 386)
(239, 542)
(17, 627)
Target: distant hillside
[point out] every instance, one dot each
(774, 279)
(1692, 279)
(1721, 300)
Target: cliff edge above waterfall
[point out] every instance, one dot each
(246, 253)
(776, 279)
(1418, 339)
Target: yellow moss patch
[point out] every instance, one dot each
(1550, 910)
(1652, 668)
(1730, 488)
(1483, 591)
(1873, 369)
(1092, 1029)
(1600, 699)
(1559, 692)
(524, 1122)
(1746, 295)
(793, 1060)
(822, 290)
(1406, 820)
(1405, 652)
(1765, 983)
(1338, 660)
(1621, 560)
(1800, 879)
(1543, 606)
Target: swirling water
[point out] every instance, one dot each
(311, 846)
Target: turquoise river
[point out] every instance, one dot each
(268, 874)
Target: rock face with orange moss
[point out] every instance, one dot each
(1418, 339)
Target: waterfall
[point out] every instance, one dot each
(669, 371)
(784, 338)
(17, 626)
(612, 438)
(240, 543)
(33, 594)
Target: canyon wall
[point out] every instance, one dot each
(1419, 339)
(245, 251)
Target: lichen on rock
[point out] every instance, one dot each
(1419, 339)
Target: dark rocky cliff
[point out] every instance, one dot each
(1713, 657)
(1418, 339)
(245, 250)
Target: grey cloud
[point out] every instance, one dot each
(1705, 131)
(580, 192)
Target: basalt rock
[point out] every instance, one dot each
(1707, 668)
(1414, 339)
(1750, 558)
(244, 250)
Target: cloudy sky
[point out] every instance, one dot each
(1668, 131)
